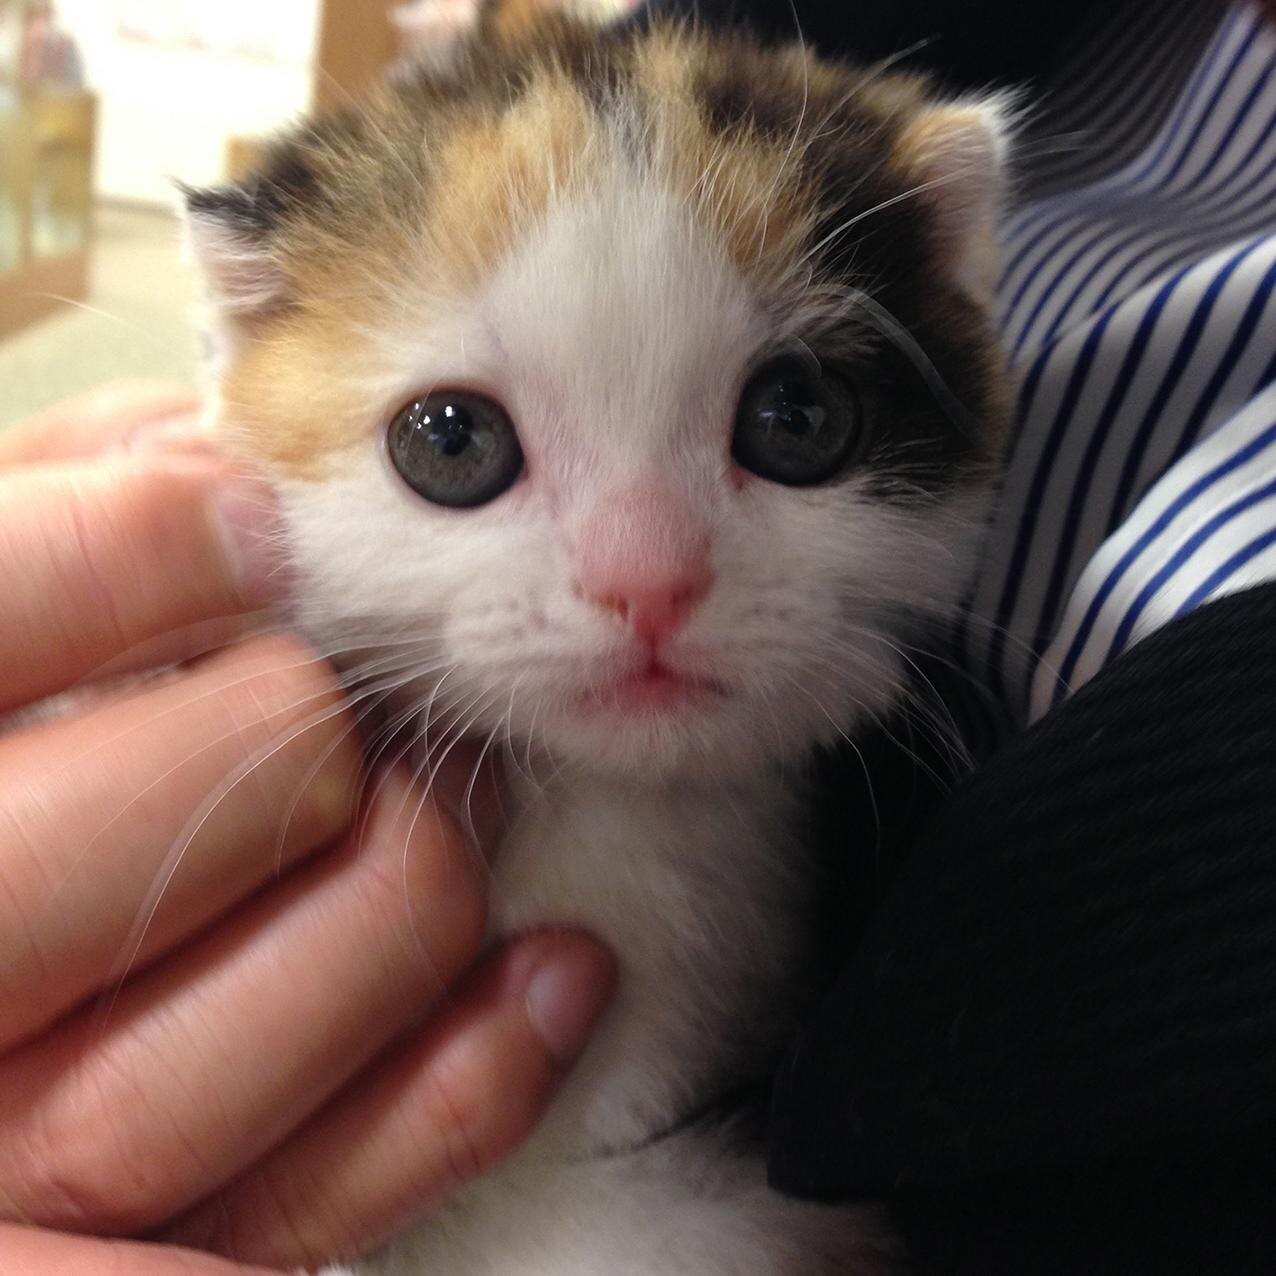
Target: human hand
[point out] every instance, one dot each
(209, 985)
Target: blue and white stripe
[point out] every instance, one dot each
(1138, 307)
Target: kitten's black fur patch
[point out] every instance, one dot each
(285, 182)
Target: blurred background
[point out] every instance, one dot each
(104, 104)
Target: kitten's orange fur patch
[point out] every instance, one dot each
(286, 400)
(745, 186)
(501, 175)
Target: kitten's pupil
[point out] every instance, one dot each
(794, 412)
(453, 433)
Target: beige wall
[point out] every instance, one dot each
(167, 112)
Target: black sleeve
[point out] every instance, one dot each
(1055, 1048)
(972, 45)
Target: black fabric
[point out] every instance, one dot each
(1056, 1047)
(969, 45)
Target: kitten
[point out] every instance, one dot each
(648, 380)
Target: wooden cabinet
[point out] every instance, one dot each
(355, 44)
(46, 168)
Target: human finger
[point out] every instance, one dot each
(110, 416)
(437, 1111)
(219, 1052)
(127, 828)
(99, 559)
(27, 1251)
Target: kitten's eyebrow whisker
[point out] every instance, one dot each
(907, 344)
(878, 69)
(920, 189)
(782, 170)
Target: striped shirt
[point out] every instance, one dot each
(1137, 307)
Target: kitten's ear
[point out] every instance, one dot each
(956, 154)
(232, 240)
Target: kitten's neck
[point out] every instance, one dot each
(700, 893)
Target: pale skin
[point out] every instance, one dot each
(278, 1047)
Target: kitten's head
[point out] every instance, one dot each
(645, 381)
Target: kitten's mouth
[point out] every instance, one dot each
(654, 688)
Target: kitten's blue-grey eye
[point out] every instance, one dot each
(455, 448)
(796, 426)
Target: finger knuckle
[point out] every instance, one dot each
(458, 1149)
(89, 1183)
(280, 1218)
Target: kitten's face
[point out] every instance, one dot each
(576, 393)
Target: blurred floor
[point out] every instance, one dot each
(141, 321)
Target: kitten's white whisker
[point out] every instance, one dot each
(427, 790)
(378, 694)
(412, 738)
(156, 783)
(419, 736)
(209, 694)
(75, 303)
(868, 779)
(137, 937)
(467, 804)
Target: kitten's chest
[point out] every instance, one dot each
(701, 896)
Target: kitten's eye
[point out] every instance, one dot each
(456, 448)
(795, 426)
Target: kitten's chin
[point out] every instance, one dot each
(654, 734)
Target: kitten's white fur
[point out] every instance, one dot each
(618, 335)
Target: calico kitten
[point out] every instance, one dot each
(647, 380)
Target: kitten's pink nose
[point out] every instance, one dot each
(645, 558)
(656, 612)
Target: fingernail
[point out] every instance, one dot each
(565, 998)
(246, 520)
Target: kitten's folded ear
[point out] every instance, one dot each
(234, 231)
(956, 154)
(232, 239)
